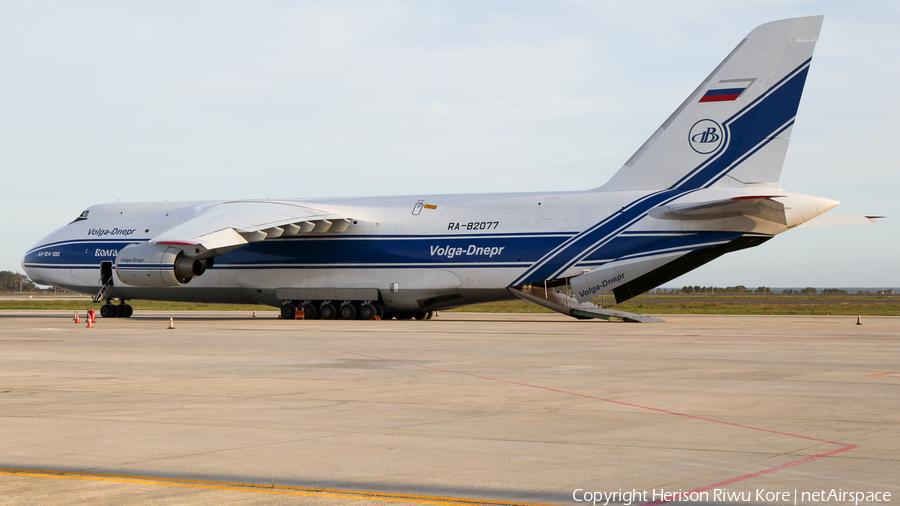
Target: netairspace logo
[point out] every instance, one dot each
(760, 495)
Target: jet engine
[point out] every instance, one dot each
(146, 264)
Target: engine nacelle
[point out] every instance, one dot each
(147, 264)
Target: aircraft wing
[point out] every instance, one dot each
(227, 225)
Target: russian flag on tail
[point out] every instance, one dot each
(736, 88)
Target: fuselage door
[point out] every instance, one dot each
(106, 272)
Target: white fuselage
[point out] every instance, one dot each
(431, 252)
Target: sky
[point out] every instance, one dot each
(146, 101)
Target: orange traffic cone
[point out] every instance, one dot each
(90, 324)
(77, 317)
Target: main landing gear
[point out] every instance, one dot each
(331, 310)
(123, 310)
(346, 310)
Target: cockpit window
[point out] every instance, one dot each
(81, 217)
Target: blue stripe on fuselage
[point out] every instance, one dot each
(579, 247)
(506, 249)
(397, 252)
(624, 245)
(76, 251)
(526, 248)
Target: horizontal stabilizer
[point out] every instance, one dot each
(830, 220)
(762, 207)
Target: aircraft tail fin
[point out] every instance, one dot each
(734, 129)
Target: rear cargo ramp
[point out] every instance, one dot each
(552, 298)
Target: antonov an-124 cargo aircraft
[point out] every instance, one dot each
(704, 184)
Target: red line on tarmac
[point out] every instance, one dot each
(764, 471)
(844, 446)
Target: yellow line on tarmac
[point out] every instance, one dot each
(257, 488)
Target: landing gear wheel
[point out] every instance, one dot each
(430, 315)
(121, 311)
(309, 311)
(420, 315)
(366, 312)
(327, 311)
(380, 309)
(128, 310)
(289, 312)
(347, 311)
(107, 311)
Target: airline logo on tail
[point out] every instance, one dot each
(705, 136)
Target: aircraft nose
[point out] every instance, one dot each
(30, 270)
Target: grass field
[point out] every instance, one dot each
(781, 308)
(675, 304)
